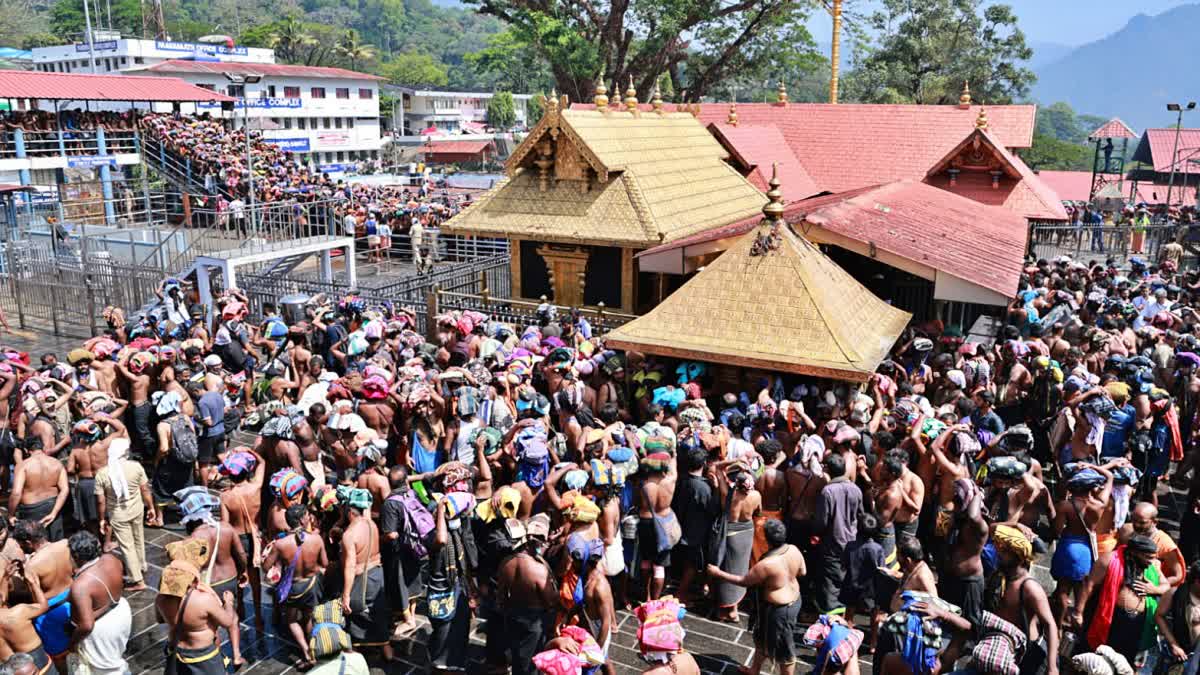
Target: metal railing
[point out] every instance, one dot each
(74, 142)
(1098, 242)
(521, 312)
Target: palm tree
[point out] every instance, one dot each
(354, 50)
(289, 38)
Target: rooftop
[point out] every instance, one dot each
(437, 92)
(1157, 145)
(1114, 128)
(80, 87)
(186, 67)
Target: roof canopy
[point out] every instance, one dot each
(188, 67)
(1157, 148)
(616, 178)
(761, 150)
(457, 147)
(772, 301)
(940, 232)
(1114, 128)
(33, 84)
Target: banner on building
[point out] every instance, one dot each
(256, 103)
(334, 140)
(173, 46)
(105, 46)
(88, 161)
(291, 144)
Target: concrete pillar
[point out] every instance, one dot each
(230, 275)
(204, 285)
(351, 270)
(110, 214)
(19, 142)
(327, 265)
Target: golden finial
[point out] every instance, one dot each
(656, 98)
(981, 122)
(732, 120)
(552, 103)
(631, 102)
(964, 101)
(601, 96)
(773, 210)
(615, 101)
(781, 96)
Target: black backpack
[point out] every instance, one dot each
(185, 447)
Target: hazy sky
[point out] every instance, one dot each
(1071, 22)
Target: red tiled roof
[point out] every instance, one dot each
(85, 87)
(180, 66)
(983, 245)
(1158, 145)
(756, 149)
(1022, 191)
(1114, 128)
(848, 146)
(1076, 186)
(456, 147)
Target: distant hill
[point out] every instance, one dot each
(1131, 74)
(1045, 53)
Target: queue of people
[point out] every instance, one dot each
(347, 480)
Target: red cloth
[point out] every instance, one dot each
(1102, 621)
(1176, 441)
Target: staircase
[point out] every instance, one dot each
(176, 170)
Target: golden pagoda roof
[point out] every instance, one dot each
(772, 301)
(612, 177)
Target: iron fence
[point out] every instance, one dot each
(520, 312)
(1098, 242)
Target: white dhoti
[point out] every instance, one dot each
(614, 558)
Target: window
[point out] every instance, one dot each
(341, 157)
(235, 90)
(124, 61)
(342, 92)
(337, 123)
(318, 92)
(138, 59)
(327, 125)
(270, 91)
(301, 123)
(287, 123)
(349, 122)
(366, 93)
(291, 92)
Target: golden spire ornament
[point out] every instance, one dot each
(601, 96)
(781, 95)
(631, 102)
(769, 239)
(656, 99)
(732, 120)
(981, 122)
(964, 101)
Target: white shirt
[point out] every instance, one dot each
(1151, 309)
(238, 207)
(350, 224)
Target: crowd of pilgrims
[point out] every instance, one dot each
(353, 482)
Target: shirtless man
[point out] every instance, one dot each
(306, 590)
(8, 382)
(91, 453)
(772, 485)
(914, 573)
(1022, 499)
(597, 613)
(45, 426)
(139, 401)
(51, 563)
(1089, 492)
(227, 560)
(962, 581)
(657, 490)
(898, 495)
(947, 470)
(194, 619)
(378, 415)
(526, 595)
(1025, 604)
(805, 479)
(777, 576)
(745, 505)
(306, 437)
(17, 632)
(240, 507)
(374, 478)
(102, 618)
(40, 490)
(275, 445)
(363, 596)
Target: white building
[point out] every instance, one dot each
(115, 54)
(329, 115)
(452, 112)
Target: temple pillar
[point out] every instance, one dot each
(514, 267)
(628, 285)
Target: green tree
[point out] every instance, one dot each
(927, 48)
(1050, 154)
(67, 20)
(501, 111)
(1059, 121)
(508, 62)
(35, 40)
(290, 39)
(699, 43)
(415, 70)
(534, 108)
(354, 50)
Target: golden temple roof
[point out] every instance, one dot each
(772, 301)
(612, 177)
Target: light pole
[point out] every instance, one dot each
(245, 80)
(1176, 108)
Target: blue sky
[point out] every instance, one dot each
(1070, 22)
